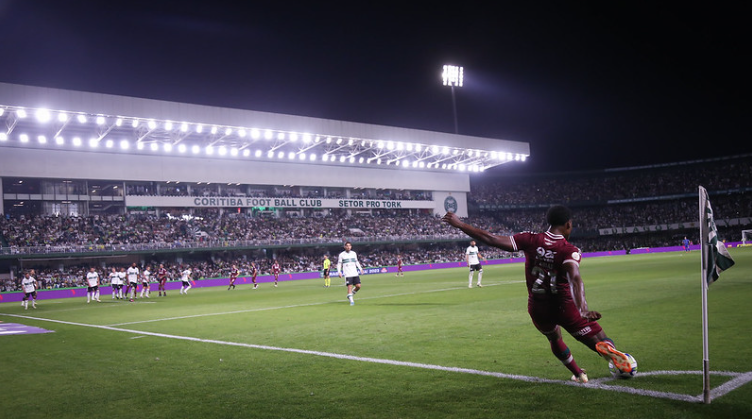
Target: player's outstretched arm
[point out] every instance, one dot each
(502, 242)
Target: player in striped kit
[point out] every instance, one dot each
(114, 281)
(347, 264)
(145, 278)
(92, 280)
(29, 285)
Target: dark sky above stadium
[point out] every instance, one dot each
(588, 84)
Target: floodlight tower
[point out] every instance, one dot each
(453, 76)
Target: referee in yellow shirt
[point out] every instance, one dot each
(327, 264)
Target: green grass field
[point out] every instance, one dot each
(422, 346)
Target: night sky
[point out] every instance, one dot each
(588, 85)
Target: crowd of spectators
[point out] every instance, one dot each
(600, 187)
(98, 230)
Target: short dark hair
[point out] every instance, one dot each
(558, 215)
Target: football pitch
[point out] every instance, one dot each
(419, 346)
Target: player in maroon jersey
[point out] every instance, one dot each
(234, 272)
(399, 266)
(162, 278)
(556, 294)
(254, 272)
(275, 271)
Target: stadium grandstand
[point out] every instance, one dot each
(100, 180)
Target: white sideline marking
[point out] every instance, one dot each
(739, 379)
(251, 310)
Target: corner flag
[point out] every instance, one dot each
(714, 259)
(715, 255)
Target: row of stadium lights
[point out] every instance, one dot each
(45, 116)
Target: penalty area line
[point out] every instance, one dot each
(740, 380)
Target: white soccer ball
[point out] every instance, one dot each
(622, 374)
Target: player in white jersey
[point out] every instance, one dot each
(122, 279)
(145, 277)
(185, 277)
(29, 285)
(472, 257)
(133, 274)
(347, 264)
(114, 281)
(92, 280)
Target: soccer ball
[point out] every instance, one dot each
(621, 374)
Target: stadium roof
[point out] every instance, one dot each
(46, 118)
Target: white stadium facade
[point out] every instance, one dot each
(78, 153)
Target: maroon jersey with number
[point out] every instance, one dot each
(545, 254)
(162, 274)
(275, 268)
(550, 301)
(234, 274)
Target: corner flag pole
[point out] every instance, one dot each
(703, 279)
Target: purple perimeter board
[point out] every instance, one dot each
(9, 297)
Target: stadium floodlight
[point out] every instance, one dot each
(62, 117)
(21, 113)
(293, 137)
(246, 152)
(152, 124)
(195, 149)
(390, 145)
(154, 147)
(291, 155)
(313, 157)
(134, 123)
(24, 138)
(242, 133)
(119, 121)
(302, 156)
(453, 76)
(270, 154)
(199, 128)
(400, 146)
(281, 155)
(281, 136)
(184, 127)
(325, 157)
(124, 144)
(59, 140)
(306, 138)
(109, 143)
(167, 147)
(257, 153)
(222, 150)
(209, 150)
(81, 118)
(182, 148)
(140, 146)
(168, 126)
(43, 115)
(234, 151)
(268, 135)
(3, 136)
(100, 120)
(228, 131)
(2, 111)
